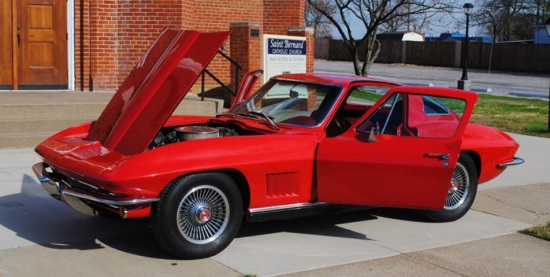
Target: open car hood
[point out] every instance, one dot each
(154, 88)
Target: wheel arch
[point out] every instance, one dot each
(242, 184)
(237, 176)
(477, 160)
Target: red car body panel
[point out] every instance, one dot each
(112, 158)
(491, 146)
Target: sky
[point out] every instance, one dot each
(448, 24)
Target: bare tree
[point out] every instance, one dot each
(322, 27)
(538, 9)
(371, 15)
(420, 22)
(496, 17)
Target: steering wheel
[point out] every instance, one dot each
(337, 126)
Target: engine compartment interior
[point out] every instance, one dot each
(174, 134)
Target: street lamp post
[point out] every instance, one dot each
(464, 83)
(547, 25)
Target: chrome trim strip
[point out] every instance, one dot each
(287, 207)
(38, 170)
(51, 187)
(515, 161)
(109, 202)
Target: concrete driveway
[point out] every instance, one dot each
(41, 236)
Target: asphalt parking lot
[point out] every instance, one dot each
(41, 236)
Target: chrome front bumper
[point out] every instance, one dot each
(85, 203)
(514, 161)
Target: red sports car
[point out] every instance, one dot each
(299, 145)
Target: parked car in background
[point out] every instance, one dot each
(297, 146)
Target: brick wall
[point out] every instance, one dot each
(115, 33)
(280, 15)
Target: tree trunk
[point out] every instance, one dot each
(372, 48)
(356, 64)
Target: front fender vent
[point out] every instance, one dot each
(283, 184)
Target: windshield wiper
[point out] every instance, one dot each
(266, 117)
(255, 115)
(249, 115)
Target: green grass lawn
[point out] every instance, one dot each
(542, 231)
(513, 114)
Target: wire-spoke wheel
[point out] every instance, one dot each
(198, 215)
(458, 189)
(461, 193)
(203, 214)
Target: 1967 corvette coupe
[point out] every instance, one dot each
(301, 144)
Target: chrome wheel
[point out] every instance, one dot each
(203, 214)
(458, 189)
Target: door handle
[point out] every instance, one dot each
(441, 156)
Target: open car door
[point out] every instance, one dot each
(401, 153)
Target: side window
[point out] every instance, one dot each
(366, 95)
(358, 101)
(433, 107)
(434, 117)
(387, 118)
(416, 115)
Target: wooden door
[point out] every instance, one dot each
(6, 47)
(41, 44)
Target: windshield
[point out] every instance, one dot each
(290, 102)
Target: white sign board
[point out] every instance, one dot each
(282, 55)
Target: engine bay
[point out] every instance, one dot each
(175, 134)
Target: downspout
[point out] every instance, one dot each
(81, 45)
(90, 77)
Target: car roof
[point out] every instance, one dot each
(331, 78)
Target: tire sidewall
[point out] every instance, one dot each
(165, 224)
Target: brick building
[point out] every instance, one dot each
(93, 44)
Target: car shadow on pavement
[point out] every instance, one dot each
(36, 217)
(323, 225)
(401, 214)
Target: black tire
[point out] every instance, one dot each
(198, 215)
(462, 192)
